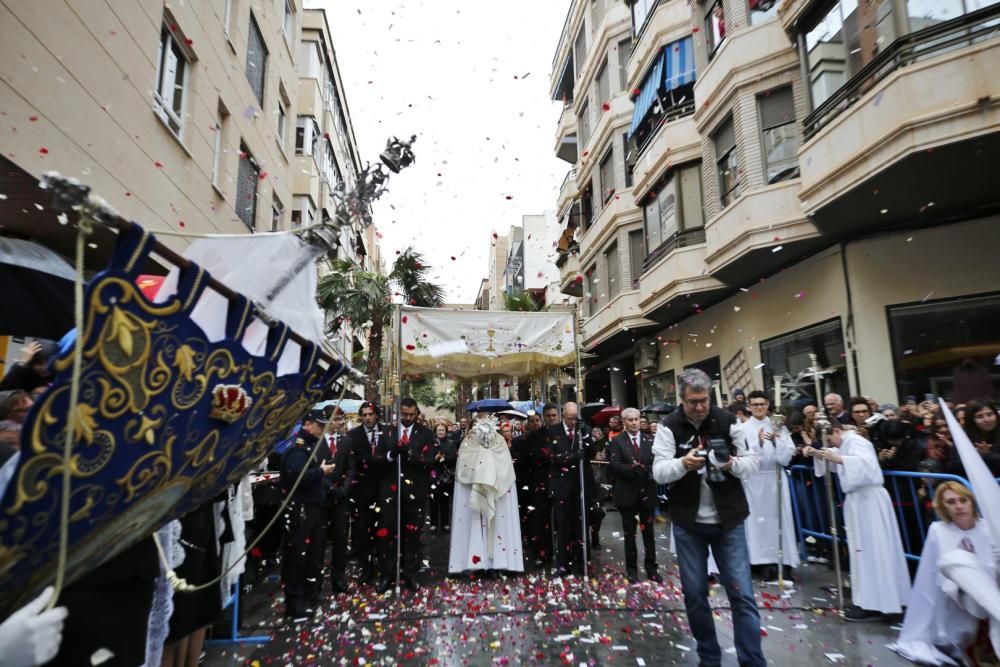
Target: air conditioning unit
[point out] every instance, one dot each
(647, 355)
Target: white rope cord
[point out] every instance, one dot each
(84, 228)
(180, 584)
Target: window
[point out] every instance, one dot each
(787, 355)
(715, 27)
(781, 137)
(660, 387)
(624, 52)
(607, 172)
(672, 213)
(227, 17)
(641, 9)
(246, 188)
(171, 82)
(303, 211)
(583, 127)
(725, 162)
(280, 125)
(613, 272)
(947, 347)
(310, 61)
(602, 85)
(635, 255)
(217, 144)
(277, 213)
(589, 293)
(256, 61)
(762, 10)
(306, 135)
(580, 49)
(628, 160)
(289, 22)
(846, 38)
(331, 172)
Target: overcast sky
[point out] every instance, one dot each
(471, 81)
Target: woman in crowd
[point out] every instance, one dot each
(939, 444)
(443, 478)
(32, 371)
(981, 427)
(936, 630)
(14, 405)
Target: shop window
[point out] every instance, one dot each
(660, 387)
(787, 357)
(947, 347)
(780, 135)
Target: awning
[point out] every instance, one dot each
(647, 93)
(674, 67)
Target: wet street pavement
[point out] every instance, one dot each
(537, 620)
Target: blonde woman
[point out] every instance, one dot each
(937, 630)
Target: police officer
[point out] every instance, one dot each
(305, 517)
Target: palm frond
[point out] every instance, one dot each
(409, 278)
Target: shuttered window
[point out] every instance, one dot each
(246, 188)
(256, 61)
(614, 286)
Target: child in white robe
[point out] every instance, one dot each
(880, 580)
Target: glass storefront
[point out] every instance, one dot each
(948, 348)
(787, 357)
(660, 387)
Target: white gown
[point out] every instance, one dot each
(880, 580)
(485, 523)
(935, 627)
(762, 496)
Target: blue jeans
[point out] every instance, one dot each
(730, 550)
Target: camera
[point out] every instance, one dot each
(874, 419)
(718, 457)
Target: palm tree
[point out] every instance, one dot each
(365, 298)
(521, 302)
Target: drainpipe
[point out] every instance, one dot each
(850, 353)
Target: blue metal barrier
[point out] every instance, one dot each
(809, 505)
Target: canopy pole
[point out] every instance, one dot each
(578, 367)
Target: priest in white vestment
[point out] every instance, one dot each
(485, 525)
(880, 579)
(774, 451)
(936, 629)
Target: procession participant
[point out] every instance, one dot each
(700, 451)
(774, 451)
(643, 425)
(365, 486)
(936, 630)
(338, 452)
(409, 451)
(631, 465)
(305, 518)
(880, 581)
(536, 530)
(567, 442)
(486, 535)
(525, 459)
(597, 471)
(443, 478)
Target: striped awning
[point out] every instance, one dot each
(673, 67)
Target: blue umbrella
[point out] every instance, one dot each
(488, 405)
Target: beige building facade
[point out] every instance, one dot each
(800, 177)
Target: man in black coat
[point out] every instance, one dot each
(365, 486)
(410, 451)
(566, 444)
(305, 517)
(336, 449)
(631, 464)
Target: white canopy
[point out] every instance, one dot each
(471, 343)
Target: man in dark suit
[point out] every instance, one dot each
(566, 443)
(631, 464)
(365, 485)
(336, 449)
(409, 450)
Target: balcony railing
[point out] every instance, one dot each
(678, 240)
(965, 30)
(570, 176)
(673, 113)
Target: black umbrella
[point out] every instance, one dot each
(37, 289)
(660, 408)
(588, 410)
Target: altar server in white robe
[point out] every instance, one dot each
(937, 629)
(774, 451)
(880, 580)
(485, 525)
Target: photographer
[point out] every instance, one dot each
(700, 451)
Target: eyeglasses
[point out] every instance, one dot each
(695, 402)
(759, 404)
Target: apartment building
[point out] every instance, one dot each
(183, 116)
(785, 179)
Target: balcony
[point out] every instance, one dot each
(570, 281)
(674, 283)
(617, 18)
(620, 210)
(909, 137)
(566, 136)
(740, 241)
(671, 20)
(568, 190)
(676, 141)
(617, 116)
(745, 56)
(622, 313)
